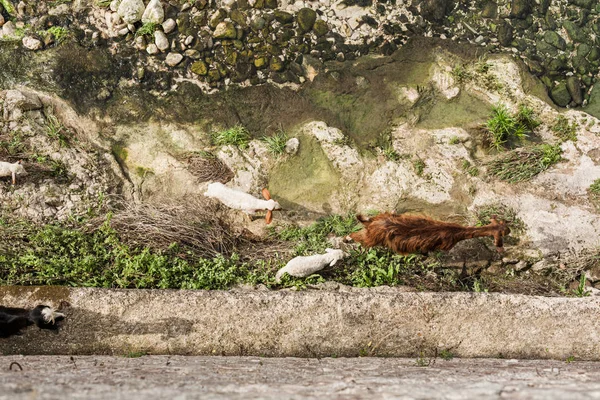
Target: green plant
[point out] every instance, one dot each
(236, 136)
(581, 291)
(343, 141)
(565, 130)
(136, 354)
(446, 354)
(390, 153)
(594, 190)
(509, 215)
(147, 29)
(56, 130)
(103, 3)
(570, 359)
(454, 140)
(504, 127)
(460, 73)
(376, 267)
(527, 118)
(469, 168)
(60, 33)
(419, 166)
(478, 286)
(523, 164)
(276, 143)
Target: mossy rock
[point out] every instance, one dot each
(574, 88)
(261, 62)
(306, 18)
(199, 68)
(273, 50)
(587, 4)
(583, 50)
(276, 64)
(555, 40)
(272, 4)
(505, 34)
(489, 9)
(231, 58)
(594, 54)
(217, 18)
(320, 28)
(560, 95)
(575, 33)
(542, 47)
(520, 8)
(283, 17)
(225, 30)
(257, 24)
(213, 75)
(239, 17)
(259, 4)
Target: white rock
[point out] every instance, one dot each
(292, 145)
(8, 29)
(152, 49)
(131, 10)
(161, 40)
(31, 43)
(169, 25)
(173, 59)
(154, 13)
(114, 5)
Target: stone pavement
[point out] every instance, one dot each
(199, 377)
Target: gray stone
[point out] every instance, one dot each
(292, 145)
(31, 43)
(161, 40)
(173, 59)
(154, 13)
(225, 30)
(131, 11)
(520, 8)
(169, 25)
(152, 49)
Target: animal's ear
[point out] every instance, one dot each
(269, 217)
(20, 162)
(333, 262)
(266, 194)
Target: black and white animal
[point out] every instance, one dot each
(13, 320)
(239, 200)
(14, 169)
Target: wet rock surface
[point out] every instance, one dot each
(171, 377)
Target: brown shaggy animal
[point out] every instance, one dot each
(407, 234)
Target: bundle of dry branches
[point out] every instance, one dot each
(207, 167)
(192, 224)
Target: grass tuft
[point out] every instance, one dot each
(523, 164)
(504, 128)
(236, 136)
(565, 130)
(276, 143)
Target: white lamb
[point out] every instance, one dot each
(14, 169)
(239, 200)
(306, 265)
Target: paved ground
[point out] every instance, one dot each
(193, 377)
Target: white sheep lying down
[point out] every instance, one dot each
(306, 265)
(239, 200)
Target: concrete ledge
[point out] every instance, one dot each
(312, 323)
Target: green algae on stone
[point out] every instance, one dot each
(225, 30)
(276, 64)
(283, 17)
(306, 18)
(199, 68)
(560, 94)
(320, 28)
(260, 62)
(8, 7)
(306, 179)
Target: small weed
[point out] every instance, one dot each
(454, 140)
(581, 291)
(421, 361)
(236, 136)
(570, 359)
(523, 164)
(446, 354)
(56, 130)
(565, 130)
(504, 127)
(343, 141)
(60, 33)
(15, 146)
(136, 354)
(419, 166)
(461, 74)
(478, 287)
(147, 29)
(502, 212)
(594, 190)
(391, 154)
(103, 3)
(482, 66)
(469, 168)
(276, 143)
(59, 170)
(120, 152)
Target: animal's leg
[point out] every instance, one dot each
(13, 178)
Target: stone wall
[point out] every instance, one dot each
(243, 42)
